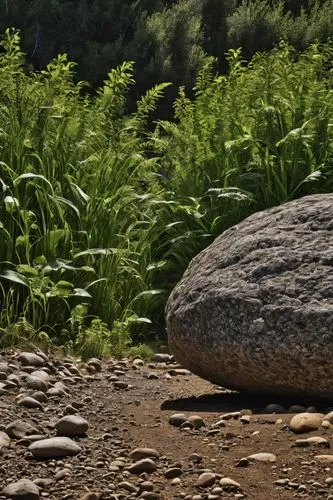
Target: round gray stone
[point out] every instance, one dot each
(254, 310)
(22, 490)
(54, 447)
(72, 425)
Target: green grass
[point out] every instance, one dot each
(100, 214)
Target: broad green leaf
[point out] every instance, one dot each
(27, 270)
(66, 285)
(31, 176)
(97, 251)
(80, 292)
(13, 276)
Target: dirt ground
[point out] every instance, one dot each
(128, 405)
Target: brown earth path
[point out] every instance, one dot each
(128, 405)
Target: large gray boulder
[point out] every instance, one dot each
(254, 310)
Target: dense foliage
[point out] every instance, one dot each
(100, 214)
(169, 40)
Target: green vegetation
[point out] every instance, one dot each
(101, 211)
(168, 39)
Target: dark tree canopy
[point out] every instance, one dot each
(169, 40)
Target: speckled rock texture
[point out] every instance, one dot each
(254, 310)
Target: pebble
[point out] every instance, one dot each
(313, 440)
(146, 486)
(196, 421)
(29, 402)
(71, 426)
(173, 472)
(275, 408)
(30, 359)
(22, 490)
(231, 415)
(306, 422)
(297, 409)
(262, 457)
(40, 396)
(324, 459)
(229, 484)
(176, 481)
(54, 447)
(140, 453)
(195, 457)
(119, 384)
(96, 363)
(161, 358)
(36, 383)
(206, 479)
(243, 462)
(148, 495)
(20, 429)
(4, 440)
(177, 419)
(144, 465)
(125, 485)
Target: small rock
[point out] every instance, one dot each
(30, 359)
(243, 462)
(219, 423)
(196, 421)
(245, 419)
(314, 440)
(29, 402)
(229, 484)
(146, 486)
(36, 383)
(40, 396)
(232, 415)
(282, 482)
(140, 453)
(161, 358)
(275, 408)
(144, 465)
(177, 419)
(120, 384)
(22, 490)
(4, 440)
(206, 479)
(71, 425)
(262, 457)
(149, 495)
(306, 422)
(54, 447)
(96, 363)
(125, 485)
(186, 425)
(195, 457)
(324, 459)
(297, 409)
(173, 472)
(20, 429)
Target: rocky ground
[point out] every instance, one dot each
(129, 429)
